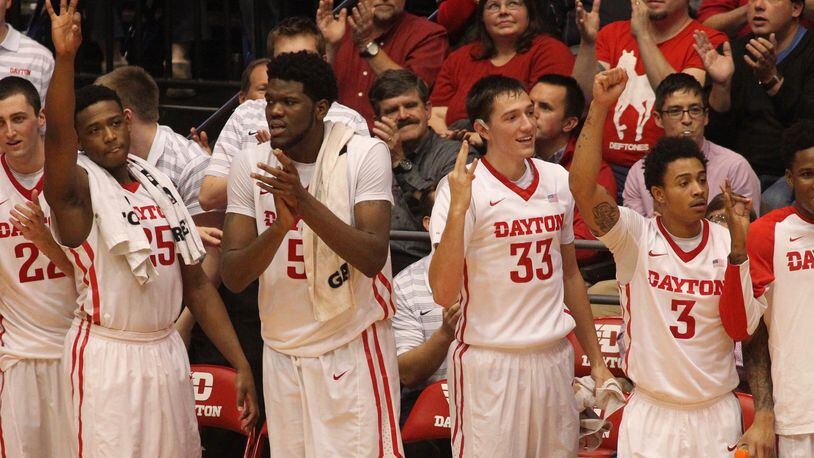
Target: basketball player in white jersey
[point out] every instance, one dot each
(670, 270)
(504, 248)
(37, 297)
(330, 379)
(126, 369)
(780, 246)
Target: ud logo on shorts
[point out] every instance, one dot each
(339, 277)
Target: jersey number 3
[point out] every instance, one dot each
(684, 307)
(528, 269)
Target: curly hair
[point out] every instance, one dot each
(93, 94)
(667, 151)
(798, 137)
(317, 77)
(539, 24)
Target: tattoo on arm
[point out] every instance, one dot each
(605, 216)
(758, 365)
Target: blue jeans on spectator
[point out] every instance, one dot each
(620, 173)
(778, 195)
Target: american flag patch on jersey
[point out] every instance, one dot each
(552, 198)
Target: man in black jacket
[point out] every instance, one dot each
(762, 85)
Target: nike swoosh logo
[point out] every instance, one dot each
(651, 254)
(794, 239)
(424, 313)
(1, 203)
(252, 133)
(337, 377)
(492, 203)
(263, 191)
(731, 448)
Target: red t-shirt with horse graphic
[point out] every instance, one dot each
(630, 130)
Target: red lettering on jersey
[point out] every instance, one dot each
(529, 226)
(685, 285)
(270, 217)
(800, 260)
(7, 230)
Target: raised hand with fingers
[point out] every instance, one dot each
(609, 85)
(761, 57)
(738, 209)
(201, 139)
(720, 67)
(460, 180)
(30, 221)
(284, 182)
(66, 27)
(332, 28)
(361, 24)
(640, 25)
(588, 22)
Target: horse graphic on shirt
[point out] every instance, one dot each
(637, 94)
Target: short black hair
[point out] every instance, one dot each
(481, 98)
(13, 85)
(393, 83)
(574, 97)
(317, 77)
(798, 137)
(93, 94)
(667, 151)
(678, 82)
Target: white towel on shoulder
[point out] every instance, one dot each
(329, 277)
(119, 226)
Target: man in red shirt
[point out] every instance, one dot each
(655, 42)
(558, 106)
(378, 35)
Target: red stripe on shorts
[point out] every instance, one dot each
(89, 279)
(380, 299)
(372, 370)
(455, 376)
(464, 304)
(389, 288)
(81, 381)
(390, 415)
(460, 406)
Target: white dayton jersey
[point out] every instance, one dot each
(37, 300)
(512, 295)
(286, 313)
(781, 254)
(677, 348)
(108, 291)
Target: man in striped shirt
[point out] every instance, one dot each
(292, 35)
(21, 56)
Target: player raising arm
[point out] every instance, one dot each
(123, 223)
(671, 272)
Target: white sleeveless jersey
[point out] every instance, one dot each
(512, 295)
(37, 300)
(109, 292)
(677, 348)
(286, 313)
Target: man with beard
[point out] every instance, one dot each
(762, 85)
(419, 157)
(311, 220)
(656, 42)
(378, 35)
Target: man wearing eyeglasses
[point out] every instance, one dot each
(681, 110)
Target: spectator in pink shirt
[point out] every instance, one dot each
(681, 110)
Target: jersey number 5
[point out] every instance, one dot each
(528, 268)
(27, 274)
(684, 308)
